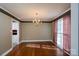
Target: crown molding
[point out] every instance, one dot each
(68, 11)
(8, 14)
(32, 21)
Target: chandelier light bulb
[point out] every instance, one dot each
(36, 19)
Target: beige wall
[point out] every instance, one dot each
(20, 31)
(32, 32)
(5, 33)
(52, 31)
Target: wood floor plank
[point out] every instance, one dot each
(36, 49)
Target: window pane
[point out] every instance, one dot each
(60, 33)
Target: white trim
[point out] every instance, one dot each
(8, 11)
(34, 41)
(5, 53)
(62, 13)
(67, 53)
(5, 9)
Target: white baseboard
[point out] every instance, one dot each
(34, 41)
(67, 53)
(5, 53)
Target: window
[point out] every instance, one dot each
(60, 33)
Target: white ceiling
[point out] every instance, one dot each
(26, 11)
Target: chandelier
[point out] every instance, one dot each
(36, 19)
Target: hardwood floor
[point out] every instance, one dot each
(36, 49)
